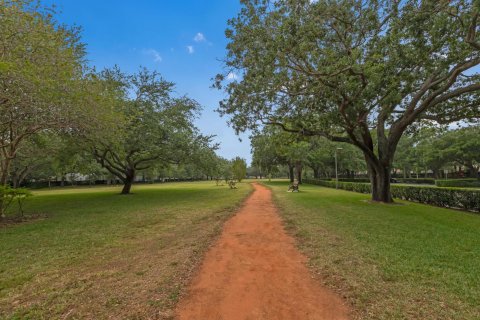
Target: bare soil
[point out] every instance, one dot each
(19, 219)
(254, 271)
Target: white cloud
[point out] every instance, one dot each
(232, 76)
(190, 49)
(154, 54)
(199, 37)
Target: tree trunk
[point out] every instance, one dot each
(290, 173)
(316, 174)
(472, 171)
(380, 180)
(15, 180)
(127, 183)
(379, 175)
(298, 171)
(4, 181)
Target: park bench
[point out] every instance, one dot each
(232, 184)
(293, 187)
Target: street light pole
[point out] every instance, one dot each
(336, 167)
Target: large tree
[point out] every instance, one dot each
(239, 169)
(154, 127)
(41, 65)
(41, 78)
(361, 72)
(264, 154)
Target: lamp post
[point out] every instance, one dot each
(336, 167)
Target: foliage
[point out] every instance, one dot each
(155, 126)
(441, 197)
(339, 68)
(9, 195)
(435, 150)
(264, 154)
(353, 180)
(463, 148)
(239, 169)
(416, 181)
(273, 147)
(458, 183)
(41, 79)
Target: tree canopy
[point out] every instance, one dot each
(156, 127)
(361, 72)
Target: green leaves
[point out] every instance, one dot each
(362, 72)
(239, 169)
(9, 195)
(156, 128)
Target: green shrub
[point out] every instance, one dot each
(441, 197)
(358, 180)
(416, 181)
(458, 183)
(9, 195)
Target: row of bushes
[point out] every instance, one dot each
(399, 180)
(353, 179)
(416, 181)
(458, 183)
(441, 197)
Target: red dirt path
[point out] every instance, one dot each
(255, 272)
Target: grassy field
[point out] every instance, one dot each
(101, 255)
(404, 261)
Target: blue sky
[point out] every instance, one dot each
(184, 40)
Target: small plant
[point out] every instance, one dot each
(9, 195)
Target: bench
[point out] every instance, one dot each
(293, 187)
(232, 184)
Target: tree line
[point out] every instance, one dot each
(427, 153)
(274, 149)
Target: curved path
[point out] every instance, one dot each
(255, 272)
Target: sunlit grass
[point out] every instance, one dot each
(403, 261)
(96, 246)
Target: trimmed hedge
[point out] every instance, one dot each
(458, 183)
(416, 181)
(358, 180)
(441, 197)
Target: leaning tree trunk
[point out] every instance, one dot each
(128, 181)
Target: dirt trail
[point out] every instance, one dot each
(255, 272)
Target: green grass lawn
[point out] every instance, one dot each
(404, 261)
(102, 255)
